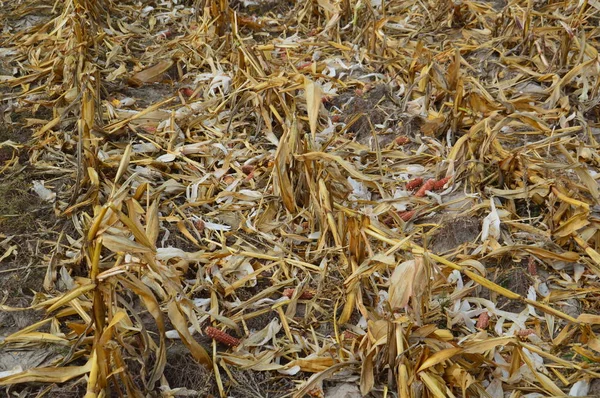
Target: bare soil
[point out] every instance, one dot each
(28, 226)
(454, 233)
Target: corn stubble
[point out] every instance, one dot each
(284, 213)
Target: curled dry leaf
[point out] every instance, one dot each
(258, 147)
(407, 281)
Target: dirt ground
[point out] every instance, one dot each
(229, 208)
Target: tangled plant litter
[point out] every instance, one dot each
(281, 169)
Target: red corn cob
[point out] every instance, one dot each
(247, 169)
(186, 91)
(316, 393)
(531, 267)
(406, 215)
(483, 321)
(348, 335)
(428, 186)
(305, 295)
(523, 333)
(440, 183)
(149, 129)
(199, 224)
(414, 183)
(401, 140)
(221, 336)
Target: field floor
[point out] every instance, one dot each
(299, 198)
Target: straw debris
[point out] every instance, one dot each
(271, 198)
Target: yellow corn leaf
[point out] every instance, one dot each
(379, 329)
(479, 347)
(589, 319)
(549, 310)
(457, 375)
(318, 378)
(151, 304)
(572, 225)
(47, 375)
(543, 353)
(444, 334)
(148, 112)
(198, 352)
(439, 357)
(313, 365)
(556, 91)
(424, 331)
(582, 172)
(71, 295)
(138, 233)
(152, 223)
(401, 284)
(346, 165)
(350, 304)
(153, 73)
(435, 385)
(491, 285)
(285, 185)
(48, 126)
(499, 289)
(538, 251)
(403, 382)
(120, 244)
(313, 95)
(594, 344)
(520, 193)
(330, 7)
(594, 255)
(549, 385)
(30, 328)
(93, 377)
(35, 337)
(367, 377)
(569, 200)
(586, 353)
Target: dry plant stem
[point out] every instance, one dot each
(218, 160)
